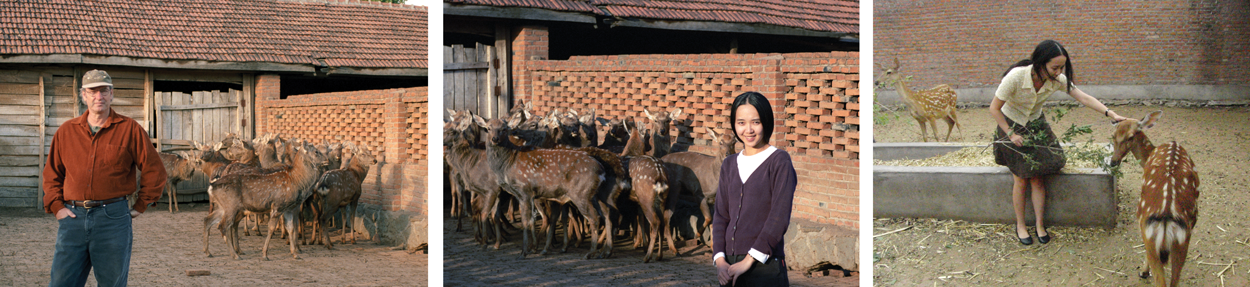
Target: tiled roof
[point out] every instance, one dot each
(342, 33)
(819, 15)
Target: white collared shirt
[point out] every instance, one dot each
(1021, 103)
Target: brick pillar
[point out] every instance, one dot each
(529, 43)
(767, 78)
(268, 88)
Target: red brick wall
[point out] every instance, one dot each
(815, 97)
(391, 121)
(969, 44)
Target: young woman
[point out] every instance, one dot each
(1024, 141)
(753, 201)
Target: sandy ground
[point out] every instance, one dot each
(465, 263)
(943, 252)
(167, 245)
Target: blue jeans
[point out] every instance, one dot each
(99, 237)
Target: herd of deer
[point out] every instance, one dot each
(555, 168)
(292, 180)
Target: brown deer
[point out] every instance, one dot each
(342, 188)
(698, 175)
(650, 190)
(179, 167)
(563, 176)
(474, 177)
(926, 106)
(1167, 210)
(279, 192)
(661, 141)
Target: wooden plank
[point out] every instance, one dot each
(147, 102)
(73, 90)
(15, 88)
(17, 130)
(135, 83)
(20, 171)
(176, 142)
(247, 109)
(503, 69)
(56, 121)
(124, 73)
(28, 120)
(20, 110)
(136, 93)
(165, 116)
(24, 202)
(19, 160)
(235, 116)
(466, 66)
(18, 100)
(43, 126)
(21, 150)
(197, 118)
(134, 112)
(198, 107)
(177, 118)
(448, 83)
(20, 141)
(19, 181)
(19, 76)
(472, 83)
(484, 80)
(214, 122)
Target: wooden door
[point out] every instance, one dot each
(203, 117)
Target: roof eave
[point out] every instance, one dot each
(729, 27)
(86, 59)
(523, 13)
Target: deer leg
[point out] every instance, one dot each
(264, 250)
(169, 189)
(653, 220)
(1179, 251)
(950, 124)
(495, 219)
(1155, 264)
(707, 219)
(670, 204)
(923, 129)
(351, 218)
(213, 219)
(527, 225)
(592, 219)
(289, 218)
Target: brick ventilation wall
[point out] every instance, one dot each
(969, 44)
(392, 122)
(815, 97)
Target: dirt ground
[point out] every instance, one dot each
(167, 245)
(943, 252)
(465, 263)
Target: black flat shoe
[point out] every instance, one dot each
(1044, 239)
(1026, 240)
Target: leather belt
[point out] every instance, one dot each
(93, 203)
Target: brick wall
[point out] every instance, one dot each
(969, 44)
(815, 97)
(391, 121)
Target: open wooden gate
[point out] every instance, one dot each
(203, 117)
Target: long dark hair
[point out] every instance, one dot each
(1045, 51)
(761, 106)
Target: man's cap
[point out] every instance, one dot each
(96, 78)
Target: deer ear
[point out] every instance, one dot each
(1149, 120)
(675, 114)
(712, 132)
(478, 119)
(603, 121)
(217, 146)
(514, 122)
(896, 65)
(648, 112)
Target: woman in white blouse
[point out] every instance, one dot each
(1024, 141)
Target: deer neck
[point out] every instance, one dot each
(910, 97)
(1144, 150)
(303, 173)
(501, 155)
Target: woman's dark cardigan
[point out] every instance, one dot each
(755, 214)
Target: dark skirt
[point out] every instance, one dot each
(1040, 155)
(771, 274)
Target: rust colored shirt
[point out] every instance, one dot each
(82, 166)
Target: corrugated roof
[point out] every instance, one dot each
(343, 33)
(818, 15)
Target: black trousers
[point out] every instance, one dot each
(771, 273)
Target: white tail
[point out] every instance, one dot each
(926, 106)
(1167, 211)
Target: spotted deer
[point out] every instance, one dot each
(926, 106)
(1167, 210)
(179, 167)
(341, 188)
(563, 176)
(661, 141)
(698, 175)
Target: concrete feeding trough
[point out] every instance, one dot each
(983, 194)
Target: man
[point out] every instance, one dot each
(90, 171)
